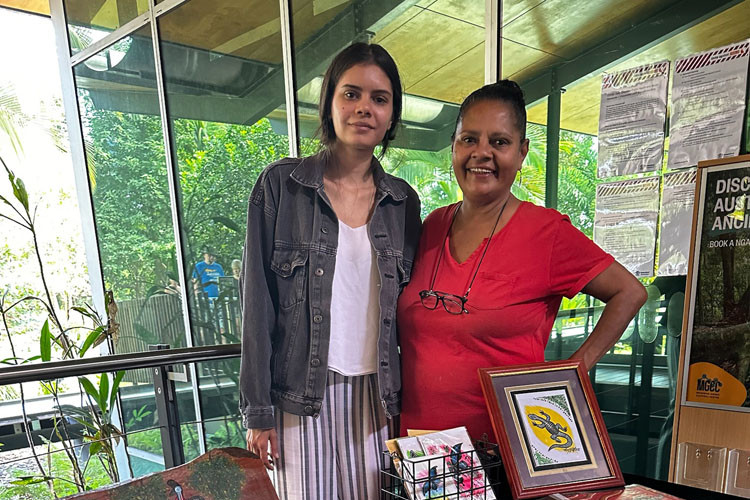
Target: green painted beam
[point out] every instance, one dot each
(680, 16)
(551, 173)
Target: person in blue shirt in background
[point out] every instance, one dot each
(206, 275)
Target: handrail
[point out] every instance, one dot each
(33, 372)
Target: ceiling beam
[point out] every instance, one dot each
(636, 39)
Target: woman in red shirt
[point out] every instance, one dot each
(490, 274)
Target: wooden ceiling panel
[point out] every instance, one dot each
(514, 8)
(537, 113)
(32, 6)
(310, 16)
(389, 28)
(454, 81)
(247, 29)
(579, 106)
(427, 42)
(520, 60)
(103, 14)
(563, 27)
(465, 10)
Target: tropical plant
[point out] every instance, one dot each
(429, 173)
(64, 342)
(11, 116)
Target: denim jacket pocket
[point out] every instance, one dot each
(404, 272)
(290, 265)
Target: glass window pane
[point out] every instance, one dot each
(127, 168)
(219, 394)
(90, 21)
(225, 95)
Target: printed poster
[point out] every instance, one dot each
(676, 223)
(718, 349)
(625, 222)
(708, 105)
(632, 119)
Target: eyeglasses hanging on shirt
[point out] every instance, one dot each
(454, 304)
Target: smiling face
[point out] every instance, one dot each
(362, 107)
(488, 151)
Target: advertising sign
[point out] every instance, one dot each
(718, 323)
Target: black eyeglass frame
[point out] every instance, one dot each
(441, 296)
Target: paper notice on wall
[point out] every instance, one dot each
(676, 223)
(632, 118)
(708, 105)
(625, 222)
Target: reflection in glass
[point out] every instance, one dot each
(225, 92)
(90, 21)
(219, 394)
(128, 176)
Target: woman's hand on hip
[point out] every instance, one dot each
(258, 441)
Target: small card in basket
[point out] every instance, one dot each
(427, 477)
(461, 461)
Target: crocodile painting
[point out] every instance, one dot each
(557, 432)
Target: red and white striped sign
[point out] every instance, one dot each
(715, 56)
(634, 75)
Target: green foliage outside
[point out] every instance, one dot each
(218, 165)
(59, 466)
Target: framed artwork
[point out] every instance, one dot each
(551, 434)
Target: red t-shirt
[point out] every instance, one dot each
(530, 264)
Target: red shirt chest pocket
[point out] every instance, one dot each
(492, 290)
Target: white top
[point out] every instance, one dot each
(355, 305)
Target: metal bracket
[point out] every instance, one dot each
(167, 412)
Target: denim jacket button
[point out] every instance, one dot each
(319, 271)
(387, 321)
(308, 410)
(317, 318)
(286, 266)
(315, 362)
(324, 230)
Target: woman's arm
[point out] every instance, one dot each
(623, 295)
(258, 324)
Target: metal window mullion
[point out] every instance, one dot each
(553, 146)
(493, 40)
(78, 157)
(287, 51)
(84, 195)
(172, 176)
(126, 29)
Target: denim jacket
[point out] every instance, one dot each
(287, 278)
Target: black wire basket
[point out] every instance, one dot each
(475, 474)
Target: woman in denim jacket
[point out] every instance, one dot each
(330, 243)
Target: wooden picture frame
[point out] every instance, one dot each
(549, 428)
